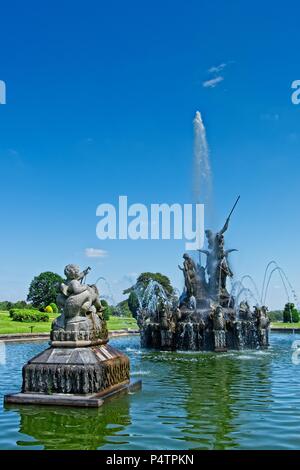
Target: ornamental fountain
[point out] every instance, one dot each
(79, 368)
(207, 317)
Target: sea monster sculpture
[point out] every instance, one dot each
(76, 300)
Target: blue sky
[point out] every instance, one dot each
(100, 103)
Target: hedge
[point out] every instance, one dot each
(26, 316)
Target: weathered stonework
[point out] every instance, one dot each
(75, 370)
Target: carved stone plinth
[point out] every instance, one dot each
(75, 370)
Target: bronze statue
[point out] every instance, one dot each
(190, 275)
(217, 266)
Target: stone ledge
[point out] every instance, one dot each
(78, 343)
(44, 336)
(61, 399)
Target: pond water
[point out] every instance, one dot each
(236, 400)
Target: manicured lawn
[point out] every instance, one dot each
(279, 324)
(120, 323)
(9, 326)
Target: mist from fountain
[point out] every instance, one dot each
(202, 176)
(250, 278)
(110, 296)
(236, 295)
(150, 297)
(248, 293)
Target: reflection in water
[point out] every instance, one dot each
(215, 389)
(214, 407)
(70, 428)
(235, 400)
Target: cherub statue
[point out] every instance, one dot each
(76, 299)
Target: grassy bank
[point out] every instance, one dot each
(279, 324)
(8, 326)
(114, 323)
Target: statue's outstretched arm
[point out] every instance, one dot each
(181, 268)
(206, 252)
(84, 273)
(230, 251)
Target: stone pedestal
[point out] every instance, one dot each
(81, 376)
(75, 370)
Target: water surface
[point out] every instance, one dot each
(236, 400)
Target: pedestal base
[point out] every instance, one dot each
(61, 399)
(78, 371)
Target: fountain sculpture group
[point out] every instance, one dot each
(207, 317)
(79, 368)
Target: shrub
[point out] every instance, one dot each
(26, 315)
(107, 309)
(295, 316)
(6, 305)
(48, 309)
(275, 315)
(54, 307)
(290, 313)
(121, 309)
(106, 314)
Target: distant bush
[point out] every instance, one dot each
(295, 316)
(48, 309)
(7, 305)
(107, 309)
(275, 315)
(26, 315)
(290, 313)
(122, 309)
(54, 307)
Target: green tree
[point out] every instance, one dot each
(108, 310)
(133, 303)
(6, 305)
(122, 309)
(44, 289)
(275, 315)
(290, 313)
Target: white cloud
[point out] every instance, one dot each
(218, 68)
(95, 253)
(269, 117)
(213, 82)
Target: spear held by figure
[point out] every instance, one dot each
(228, 218)
(214, 239)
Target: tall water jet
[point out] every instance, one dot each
(202, 184)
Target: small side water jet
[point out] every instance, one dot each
(284, 279)
(206, 317)
(110, 295)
